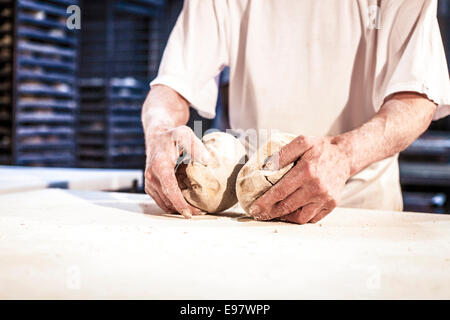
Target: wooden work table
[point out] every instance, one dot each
(77, 244)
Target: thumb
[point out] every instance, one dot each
(289, 153)
(187, 141)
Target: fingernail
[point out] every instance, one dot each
(270, 164)
(254, 210)
(186, 213)
(262, 217)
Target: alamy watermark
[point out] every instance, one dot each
(73, 21)
(374, 17)
(252, 139)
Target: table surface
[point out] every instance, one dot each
(63, 244)
(17, 179)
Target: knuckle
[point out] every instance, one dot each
(149, 178)
(307, 170)
(332, 203)
(314, 190)
(277, 194)
(316, 183)
(148, 175)
(321, 188)
(153, 173)
(287, 207)
(183, 130)
(306, 173)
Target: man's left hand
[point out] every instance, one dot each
(312, 188)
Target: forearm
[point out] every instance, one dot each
(398, 123)
(163, 109)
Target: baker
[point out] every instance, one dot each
(356, 81)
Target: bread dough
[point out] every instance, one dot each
(211, 188)
(252, 181)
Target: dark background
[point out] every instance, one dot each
(73, 98)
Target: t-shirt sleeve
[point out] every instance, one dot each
(410, 53)
(195, 54)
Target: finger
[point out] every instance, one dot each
(194, 211)
(288, 184)
(186, 140)
(289, 153)
(322, 214)
(303, 215)
(172, 192)
(162, 170)
(156, 187)
(154, 195)
(152, 186)
(291, 203)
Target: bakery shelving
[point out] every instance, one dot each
(117, 62)
(40, 63)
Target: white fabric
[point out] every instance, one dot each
(308, 67)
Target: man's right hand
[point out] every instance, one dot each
(163, 150)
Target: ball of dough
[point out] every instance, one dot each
(253, 181)
(211, 188)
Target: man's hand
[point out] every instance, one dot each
(163, 151)
(163, 117)
(312, 188)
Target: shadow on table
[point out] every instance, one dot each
(143, 204)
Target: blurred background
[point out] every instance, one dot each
(72, 98)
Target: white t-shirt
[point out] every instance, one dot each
(307, 67)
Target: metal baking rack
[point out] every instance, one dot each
(116, 67)
(42, 97)
(6, 79)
